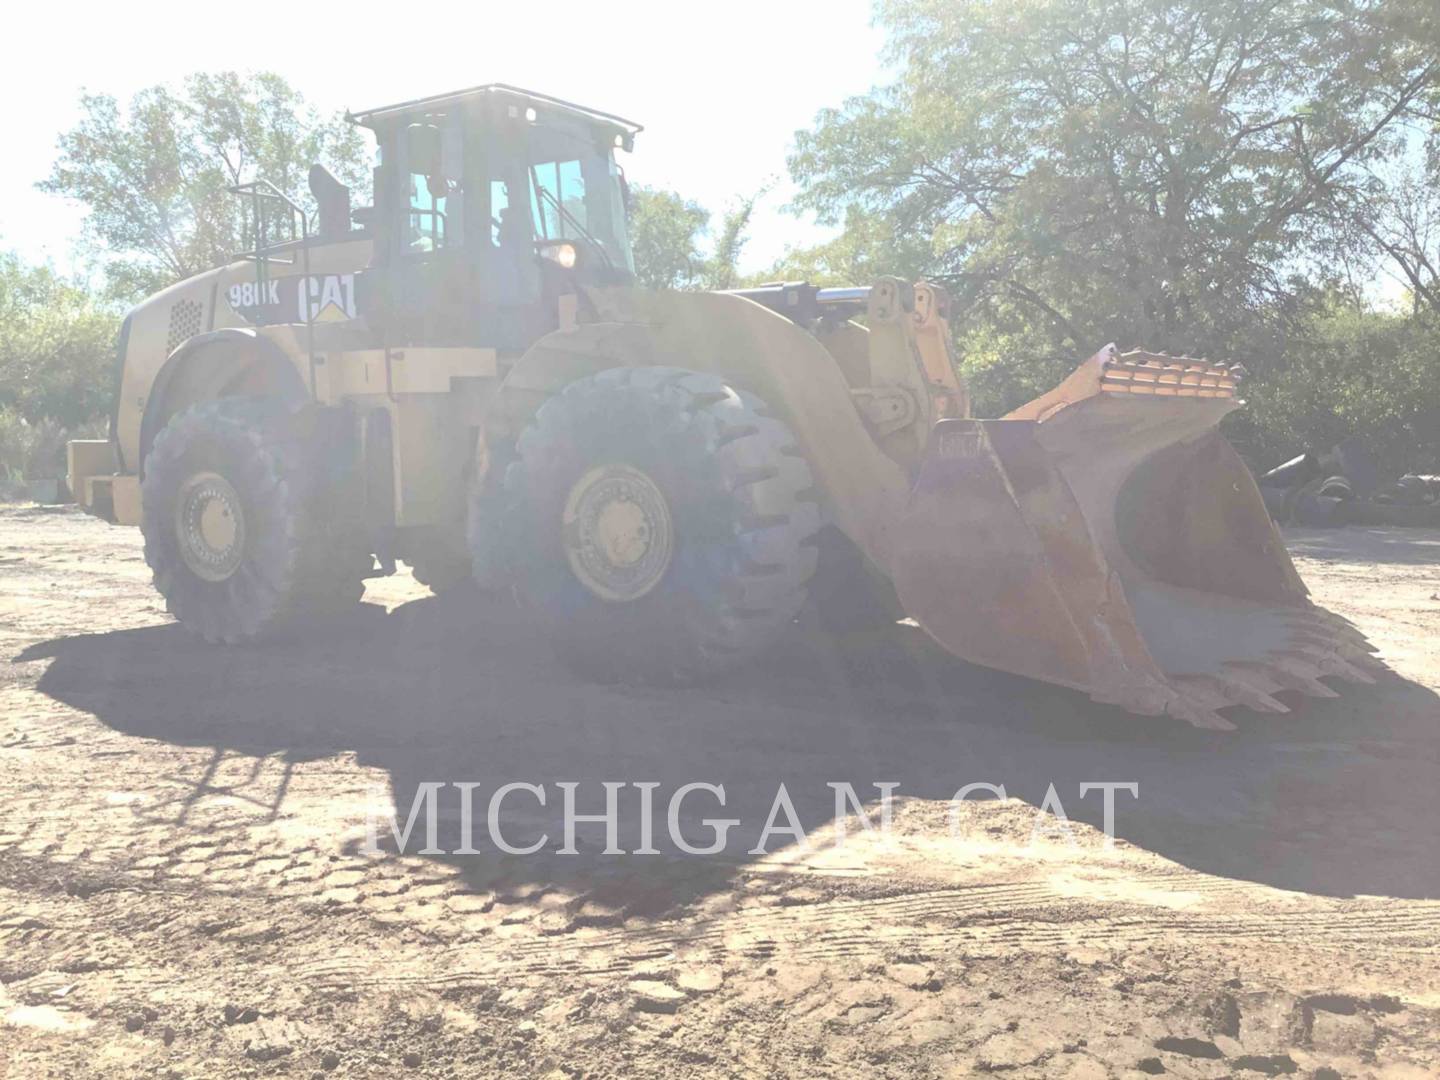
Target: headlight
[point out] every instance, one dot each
(562, 255)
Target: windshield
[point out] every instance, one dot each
(575, 194)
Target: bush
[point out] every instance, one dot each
(1350, 373)
(36, 451)
(57, 347)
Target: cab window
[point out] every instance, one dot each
(557, 200)
(434, 185)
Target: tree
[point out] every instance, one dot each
(152, 177)
(1403, 221)
(722, 269)
(1142, 171)
(665, 232)
(869, 247)
(1350, 371)
(57, 347)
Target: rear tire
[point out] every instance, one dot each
(241, 528)
(666, 524)
(490, 530)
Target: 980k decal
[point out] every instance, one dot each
(322, 298)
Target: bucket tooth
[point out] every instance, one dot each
(1335, 628)
(1197, 708)
(1202, 692)
(1330, 618)
(1250, 688)
(1319, 639)
(1206, 719)
(1311, 687)
(1366, 661)
(1254, 673)
(1309, 644)
(1353, 638)
(1353, 669)
(1233, 689)
(1333, 662)
(1143, 700)
(1188, 698)
(1296, 674)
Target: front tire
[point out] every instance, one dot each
(666, 524)
(241, 531)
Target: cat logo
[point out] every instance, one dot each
(328, 299)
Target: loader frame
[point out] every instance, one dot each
(1071, 541)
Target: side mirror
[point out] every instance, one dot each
(364, 216)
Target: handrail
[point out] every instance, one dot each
(257, 191)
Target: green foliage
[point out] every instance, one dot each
(32, 451)
(1208, 178)
(869, 247)
(1131, 170)
(721, 270)
(57, 347)
(667, 231)
(1347, 372)
(152, 177)
(665, 235)
(1224, 177)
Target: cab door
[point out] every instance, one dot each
(429, 276)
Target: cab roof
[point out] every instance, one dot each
(524, 98)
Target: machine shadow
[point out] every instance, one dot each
(1338, 799)
(1382, 544)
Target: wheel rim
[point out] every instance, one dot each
(618, 535)
(210, 526)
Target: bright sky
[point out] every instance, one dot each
(720, 87)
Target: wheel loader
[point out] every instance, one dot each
(464, 376)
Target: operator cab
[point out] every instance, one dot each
(490, 204)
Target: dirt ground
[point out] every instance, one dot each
(185, 888)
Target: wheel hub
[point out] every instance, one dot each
(210, 526)
(618, 535)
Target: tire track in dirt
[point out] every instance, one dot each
(181, 869)
(933, 921)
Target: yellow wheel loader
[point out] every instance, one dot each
(465, 377)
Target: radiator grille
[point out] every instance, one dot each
(184, 322)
